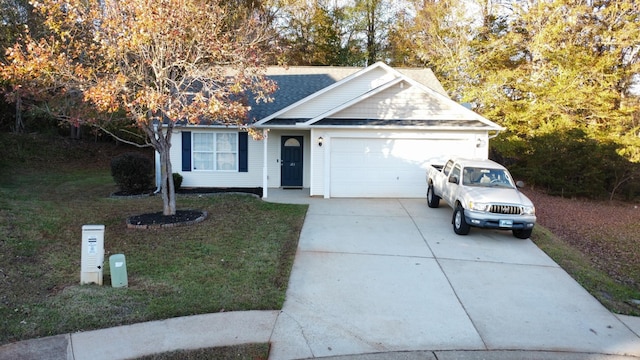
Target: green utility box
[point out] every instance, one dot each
(118, 268)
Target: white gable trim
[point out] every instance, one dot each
(472, 115)
(447, 100)
(323, 91)
(450, 102)
(356, 100)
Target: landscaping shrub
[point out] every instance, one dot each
(132, 172)
(177, 180)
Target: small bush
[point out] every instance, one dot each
(177, 180)
(132, 172)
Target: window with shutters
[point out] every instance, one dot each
(215, 151)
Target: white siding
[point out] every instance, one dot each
(341, 167)
(251, 178)
(401, 101)
(339, 95)
(317, 166)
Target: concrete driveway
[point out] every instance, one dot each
(386, 275)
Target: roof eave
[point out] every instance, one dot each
(306, 126)
(365, 127)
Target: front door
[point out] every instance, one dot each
(291, 162)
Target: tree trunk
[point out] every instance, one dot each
(372, 51)
(19, 122)
(161, 141)
(74, 132)
(168, 188)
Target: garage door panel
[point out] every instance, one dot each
(370, 167)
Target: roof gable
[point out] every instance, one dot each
(349, 87)
(375, 96)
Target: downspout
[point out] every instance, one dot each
(158, 174)
(265, 166)
(158, 168)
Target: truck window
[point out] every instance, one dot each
(456, 172)
(447, 168)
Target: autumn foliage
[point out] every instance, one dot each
(161, 64)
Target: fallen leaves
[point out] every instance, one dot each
(608, 232)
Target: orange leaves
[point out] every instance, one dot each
(176, 60)
(172, 61)
(107, 94)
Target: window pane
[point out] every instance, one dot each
(226, 161)
(215, 151)
(202, 161)
(226, 142)
(203, 142)
(292, 142)
(203, 151)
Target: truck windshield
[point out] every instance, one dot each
(486, 177)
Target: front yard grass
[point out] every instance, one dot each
(239, 258)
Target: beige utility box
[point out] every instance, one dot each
(92, 258)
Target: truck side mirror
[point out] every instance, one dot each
(520, 184)
(453, 179)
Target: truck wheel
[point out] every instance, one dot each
(460, 225)
(433, 200)
(522, 233)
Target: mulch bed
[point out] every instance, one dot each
(199, 190)
(182, 217)
(158, 220)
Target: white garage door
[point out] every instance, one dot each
(365, 167)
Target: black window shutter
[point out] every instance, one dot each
(243, 152)
(186, 151)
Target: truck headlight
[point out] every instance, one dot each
(528, 210)
(477, 206)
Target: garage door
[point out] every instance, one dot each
(365, 167)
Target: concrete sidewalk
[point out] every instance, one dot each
(388, 279)
(132, 341)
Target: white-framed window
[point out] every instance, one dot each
(215, 151)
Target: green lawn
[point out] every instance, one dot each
(239, 258)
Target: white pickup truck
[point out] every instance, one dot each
(483, 194)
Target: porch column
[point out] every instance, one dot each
(327, 166)
(265, 167)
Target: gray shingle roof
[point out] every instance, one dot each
(295, 83)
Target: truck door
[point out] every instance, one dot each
(441, 181)
(451, 189)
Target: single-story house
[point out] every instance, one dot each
(340, 132)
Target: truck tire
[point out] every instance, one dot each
(522, 233)
(433, 200)
(460, 225)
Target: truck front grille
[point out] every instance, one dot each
(505, 209)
